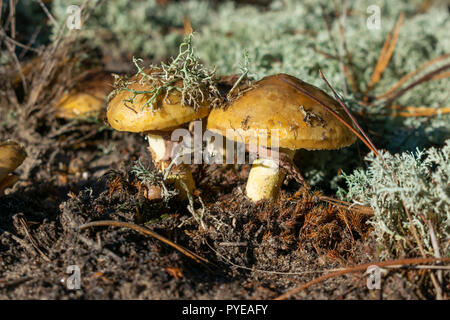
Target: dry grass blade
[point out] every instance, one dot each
(348, 206)
(325, 54)
(187, 26)
(429, 76)
(386, 54)
(347, 68)
(359, 268)
(350, 72)
(47, 12)
(412, 74)
(31, 239)
(440, 76)
(367, 141)
(411, 111)
(147, 232)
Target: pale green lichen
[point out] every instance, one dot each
(185, 74)
(151, 177)
(418, 181)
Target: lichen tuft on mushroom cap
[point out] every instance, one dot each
(300, 122)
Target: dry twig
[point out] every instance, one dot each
(147, 232)
(359, 268)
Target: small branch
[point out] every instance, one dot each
(147, 232)
(4, 36)
(49, 15)
(359, 268)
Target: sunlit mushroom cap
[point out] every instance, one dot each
(87, 99)
(168, 113)
(11, 156)
(301, 122)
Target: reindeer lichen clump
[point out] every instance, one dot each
(198, 83)
(423, 188)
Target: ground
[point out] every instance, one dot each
(255, 251)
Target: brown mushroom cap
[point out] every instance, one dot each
(274, 104)
(167, 115)
(11, 156)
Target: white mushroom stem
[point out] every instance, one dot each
(161, 149)
(265, 178)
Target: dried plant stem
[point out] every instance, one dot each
(410, 75)
(410, 111)
(4, 36)
(47, 12)
(33, 242)
(374, 149)
(265, 271)
(440, 76)
(418, 241)
(342, 43)
(12, 16)
(386, 54)
(347, 69)
(428, 76)
(147, 232)
(325, 54)
(435, 244)
(348, 206)
(359, 268)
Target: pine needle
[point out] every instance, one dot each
(386, 54)
(147, 232)
(412, 74)
(359, 268)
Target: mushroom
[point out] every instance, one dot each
(300, 121)
(87, 98)
(11, 156)
(157, 124)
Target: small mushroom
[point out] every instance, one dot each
(11, 156)
(167, 115)
(300, 121)
(87, 98)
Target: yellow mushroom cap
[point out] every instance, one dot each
(88, 98)
(136, 117)
(302, 122)
(11, 156)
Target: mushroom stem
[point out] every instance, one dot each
(161, 152)
(265, 178)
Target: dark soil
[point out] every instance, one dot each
(256, 251)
